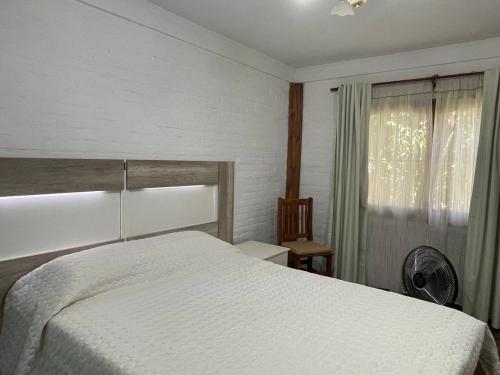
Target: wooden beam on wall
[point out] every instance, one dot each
(295, 108)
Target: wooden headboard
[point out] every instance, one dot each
(143, 174)
(25, 176)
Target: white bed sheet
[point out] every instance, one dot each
(187, 303)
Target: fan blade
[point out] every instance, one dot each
(438, 266)
(342, 8)
(430, 295)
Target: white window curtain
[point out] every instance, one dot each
(454, 149)
(420, 172)
(399, 145)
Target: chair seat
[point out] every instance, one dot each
(307, 248)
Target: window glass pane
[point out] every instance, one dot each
(454, 149)
(399, 139)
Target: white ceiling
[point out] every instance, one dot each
(302, 32)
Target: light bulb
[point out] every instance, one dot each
(357, 3)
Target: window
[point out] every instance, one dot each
(422, 149)
(399, 139)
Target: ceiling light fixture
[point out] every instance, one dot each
(346, 7)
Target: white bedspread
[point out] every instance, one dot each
(187, 303)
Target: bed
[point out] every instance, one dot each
(188, 303)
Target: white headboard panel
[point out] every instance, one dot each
(154, 210)
(36, 224)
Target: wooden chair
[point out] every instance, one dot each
(295, 232)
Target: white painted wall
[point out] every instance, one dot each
(320, 114)
(125, 79)
(454, 58)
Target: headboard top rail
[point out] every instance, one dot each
(26, 176)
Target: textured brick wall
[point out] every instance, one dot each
(76, 81)
(317, 141)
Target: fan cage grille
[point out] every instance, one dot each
(426, 264)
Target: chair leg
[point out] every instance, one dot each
(298, 262)
(310, 264)
(329, 265)
(291, 260)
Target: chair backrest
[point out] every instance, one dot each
(295, 219)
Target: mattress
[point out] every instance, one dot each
(187, 303)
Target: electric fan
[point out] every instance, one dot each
(429, 275)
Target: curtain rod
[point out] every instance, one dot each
(432, 78)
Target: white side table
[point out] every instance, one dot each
(271, 253)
